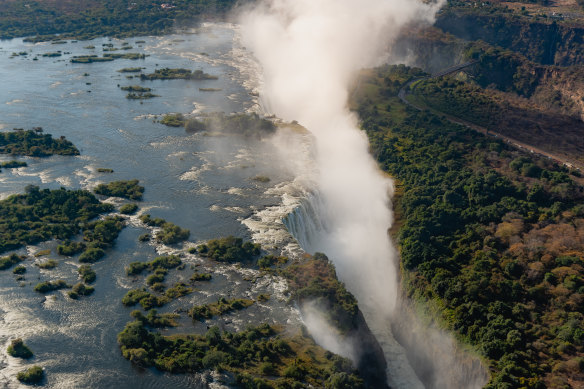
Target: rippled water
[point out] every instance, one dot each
(203, 183)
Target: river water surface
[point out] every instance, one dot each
(203, 183)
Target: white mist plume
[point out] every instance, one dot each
(323, 333)
(310, 51)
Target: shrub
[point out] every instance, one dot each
(343, 380)
(144, 237)
(70, 248)
(136, 268)
(18, 349)
(171, 233)
(86, 273)
(91, 255)
(201, 277)
(126, 189)
(49, 264)
(295, 372)
(129, 209)
(154, 278)
(81, 289)
(213, 358)
(270, 260)
(49, 286)
(178, 290)
(9, 261)
(31, 375)
(267, 368)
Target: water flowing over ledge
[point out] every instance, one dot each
(418, 355)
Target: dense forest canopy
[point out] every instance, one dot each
(492, 237)
(92, 18)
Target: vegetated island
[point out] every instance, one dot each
(27, 218)
(160, 295)
(107, 57)
(229, 249)
(140, 96)
(221, 307)
(135, 88)
(170, 233)
(11, 260)
(130, 70)
(42, 215)
(248, 125)
(259, 356)
(129, 189)
(35, 144)
(137, 92)
(49, 286)
(266, 356)
(99, 235)
(177, 74)
(18, 349)
(129, 209)
(13, 164)
(32, 375)
(53, 54)
(80, 289)
(469, 208)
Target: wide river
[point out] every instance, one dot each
(203, 183)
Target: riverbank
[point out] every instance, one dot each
(470, 206)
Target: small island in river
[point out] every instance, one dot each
(35, 144)
(177, 74)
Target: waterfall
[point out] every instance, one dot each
(424, 356)
(310, 52)
(304, 224)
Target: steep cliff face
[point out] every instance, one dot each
(430, 49)
(314, 283)
(550, 88)
(562, 90)
(544, 42)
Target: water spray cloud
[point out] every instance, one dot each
(310, 52)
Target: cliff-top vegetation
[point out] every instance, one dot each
(490, 237)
